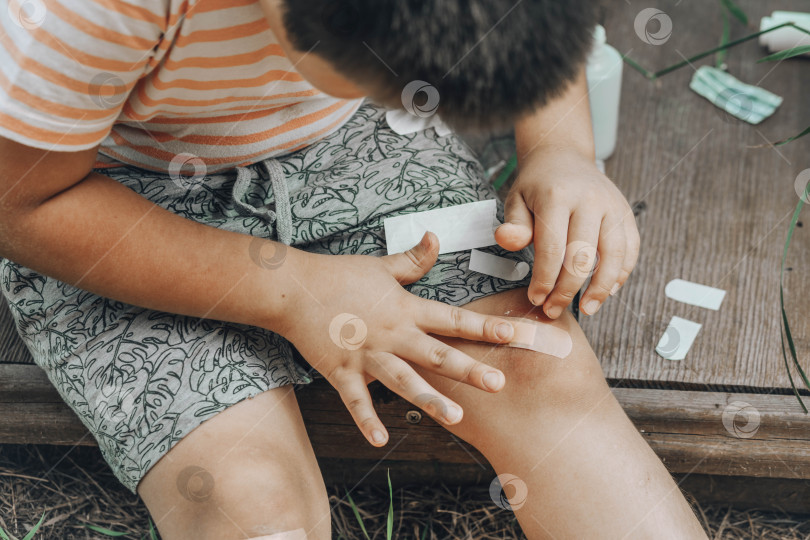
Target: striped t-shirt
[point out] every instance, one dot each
(156, 82)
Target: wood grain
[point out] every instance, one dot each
(716, 209)
(692, 432)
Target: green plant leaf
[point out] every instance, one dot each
(782, 55)
(505, 172)
(735, 10)
(104, 531)
(720, 57)
(390, 523)
(152, 533)
(3, 534)
(357, 515)
(786, 334)
(790, 139)
(787, 369)
(33, 531)
(691, 60)
(638, 67)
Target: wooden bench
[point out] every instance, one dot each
(711, 209)
(686, 429)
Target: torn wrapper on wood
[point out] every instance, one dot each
(677, 339)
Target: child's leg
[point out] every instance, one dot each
(247, 472)
(557, 427)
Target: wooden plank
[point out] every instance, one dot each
(757, 458)
(772, 416)
(756, 435)
(745, 493)
(21, 383)
(715, 209)
(374, 472)
(687, 429)
(42, 423)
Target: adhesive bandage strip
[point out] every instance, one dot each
(695, 294)
(499, 267)
(677, 339)
(540, 337)
(459, 228)
(297, 534)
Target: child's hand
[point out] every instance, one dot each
(354, 323)
(571, 210)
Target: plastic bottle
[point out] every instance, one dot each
(604, 73)
(784, 38)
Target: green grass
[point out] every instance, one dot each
(786, 333)
(29, 535)
(389, 523)
(152, 535)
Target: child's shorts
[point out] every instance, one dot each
(140, 380)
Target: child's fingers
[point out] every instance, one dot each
(354, 393)
(411, 265)
(578, 262)
(550, 232)
(452, 321)
(402, 379)
(631, 254)
(448, 361)
(516, 231)
(612, 250)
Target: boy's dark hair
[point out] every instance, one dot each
(488, 60)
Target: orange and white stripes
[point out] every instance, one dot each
(149, 80)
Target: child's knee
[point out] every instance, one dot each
(256, 489)
(253, 496)
(542, 395)
(546, 383)
(541, 391)
(534, 379)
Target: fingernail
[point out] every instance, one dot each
(503, 330)
(591, 306)
(493, 380)
(537, 300)
(554, 311)
(378, 436)
(614, 290)
(453, 414)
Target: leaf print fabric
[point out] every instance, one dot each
(140, 380)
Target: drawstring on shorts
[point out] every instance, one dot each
(282, 216)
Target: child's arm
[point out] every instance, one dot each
(563, 203)
(96, 234)
(91, 232)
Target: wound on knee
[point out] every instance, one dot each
(539, 337)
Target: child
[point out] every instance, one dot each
(192, 202)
